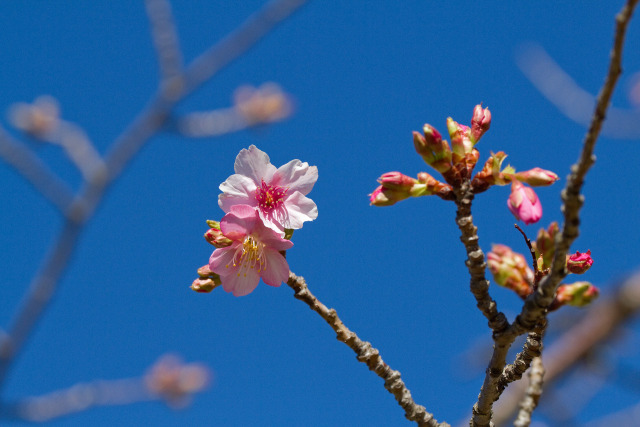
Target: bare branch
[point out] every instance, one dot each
(366, 354)
(530, 402)
(165, 37)
(535, 306)
(532, 349)
(596, 328)
(35, 171)
(476, 261)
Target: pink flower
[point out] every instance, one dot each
(253, 254)
(524, 203)
(279, 195)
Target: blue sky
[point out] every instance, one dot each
(363, 77)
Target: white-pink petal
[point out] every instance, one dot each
(299, 208)
(221, 258)
(277, 270)
(237, 190)
(254, 163)
(296, 176)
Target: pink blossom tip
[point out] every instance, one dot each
(579, 263)
(524, 203)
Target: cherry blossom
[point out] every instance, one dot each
(279, 195)
(253, 253)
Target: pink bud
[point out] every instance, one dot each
(510, 269)
(579, 263)
(397, 181)
(537, 177)
(480, 123)
(384, 197)
(524, 203)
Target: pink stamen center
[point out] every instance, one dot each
(270, 197)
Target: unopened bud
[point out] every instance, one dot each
(216, 238)
(510, 269)
(434, 150)
(578, 294)
(480, 123)
(397, 181)
(524, 203)
(385, 197)
(205, 285)
(579, 263)
(545, 244)
(537, 177)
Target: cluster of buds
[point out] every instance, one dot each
(510, 270)
(456, 162)
(395, 187)
(207, 280)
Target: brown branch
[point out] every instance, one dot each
(532, 348)
(596, 328)
(476, 261)
(534, 391)
(535, 306)
(366, 354)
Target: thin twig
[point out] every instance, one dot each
(366, 354)
(534, 391)
(536, 304)
(35, 171)
(165, 37)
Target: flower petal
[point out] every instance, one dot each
(277, 270)
(239, 222)
(254, 163)
(297, 176)
(300, 208)
(240, 284)
(237, 190)
(221, 260)
(271, 238)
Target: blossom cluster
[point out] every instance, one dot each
(263, 205)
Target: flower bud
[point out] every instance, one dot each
(537, 177)
(578, 294)
(524, 203)
(460, 142)
(545, 244)
(216, 238)
(204, 285)
(434, 150)
(510, 269)
(579, 263)
(397, 181)
(386, 197)
(480, 123)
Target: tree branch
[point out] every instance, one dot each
(530, 402)
(366, 354)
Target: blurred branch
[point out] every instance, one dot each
(165, 37)
(41, 290)
(572, 100)
(169, 380)
(252, 107)
(366, 354)
(595, 328)
(534, 391)
(35, 171)
(124, 148)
